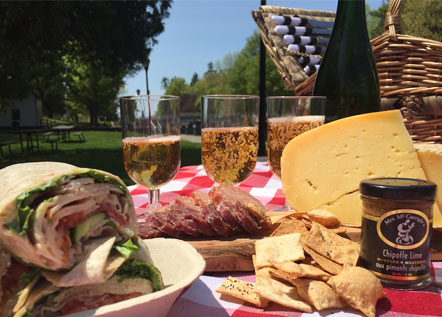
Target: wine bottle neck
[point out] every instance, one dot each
(348, 8)
(350, 21)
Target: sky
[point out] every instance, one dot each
(198, 32)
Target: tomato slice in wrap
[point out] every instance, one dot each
(50, 211)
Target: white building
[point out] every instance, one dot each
(21, 113)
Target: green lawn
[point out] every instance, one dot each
(102, 150)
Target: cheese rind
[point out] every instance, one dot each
(322, 168)
(430, 157)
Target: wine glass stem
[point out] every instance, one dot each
(154, 198)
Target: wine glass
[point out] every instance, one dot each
(229, 136)
(287, 117)
(151, 141)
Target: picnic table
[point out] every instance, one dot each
(63, 132)
(31, 136)
(8, 144)
(201, 299)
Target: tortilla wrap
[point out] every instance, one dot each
(5, 262)
(43, 203)
(58, 302)
(14, 277)
(135, 277)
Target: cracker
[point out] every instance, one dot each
(318, 294)
(280, 274)
(308, 224)
(279, 292)
(338, 230)
(359, 288)
(296, 270)
(332, 246)
(279, 249)
(291, 225)
(325, 263)
(324, 217)
(277, 218)
(242, 290)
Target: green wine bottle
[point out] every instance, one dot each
(347, 75)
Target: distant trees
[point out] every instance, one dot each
(194, 79)
(244, 74)
(418, 18)
(234, 74)
(376, 19)
(422, 19)
(75, 54)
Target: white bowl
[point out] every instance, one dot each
(180, 265)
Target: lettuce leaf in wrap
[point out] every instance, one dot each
(134, 277)
(26, 214)
(45, 203)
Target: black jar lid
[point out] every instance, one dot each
(398, 188)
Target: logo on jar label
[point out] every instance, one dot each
(403, 228)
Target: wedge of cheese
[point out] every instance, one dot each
(430, 156)
(322, 168)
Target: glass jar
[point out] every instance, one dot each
(397, 217)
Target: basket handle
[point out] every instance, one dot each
(392, 23)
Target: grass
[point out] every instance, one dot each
(102, 150)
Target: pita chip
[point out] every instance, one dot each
(318, 294)
(324, 217)
(279, 249)
(279, 292)
(359, 288)
(297, 270)
(291, 225)
(325, 263)
(332, 246)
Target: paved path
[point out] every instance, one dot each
(191, 138)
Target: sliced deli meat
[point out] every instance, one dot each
(225, 211)
(68, 241)
(126, 278)
(233, 196)
(200, 198)
(92, 269)
(50, 210)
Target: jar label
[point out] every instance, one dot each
(396, 245)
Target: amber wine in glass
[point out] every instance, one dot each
(229, 137)
(288, 117)
(151, 141)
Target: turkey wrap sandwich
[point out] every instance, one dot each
(131, 277)
(54, 216)
(68, 241)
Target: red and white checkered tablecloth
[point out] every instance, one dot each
(202, 300)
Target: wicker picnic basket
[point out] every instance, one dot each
(410, 77)
(285, 60)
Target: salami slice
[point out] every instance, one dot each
(216, 221)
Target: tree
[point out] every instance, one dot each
(177, 87)
(243, 76)
(418, 18)
(92, 87)
(165, 82)
(237, 73)
(422, 19)
(118, 42)
(194, 79)
(210, 67)
(376, 19)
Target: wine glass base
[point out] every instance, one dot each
(150, 208)
(283, 208)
